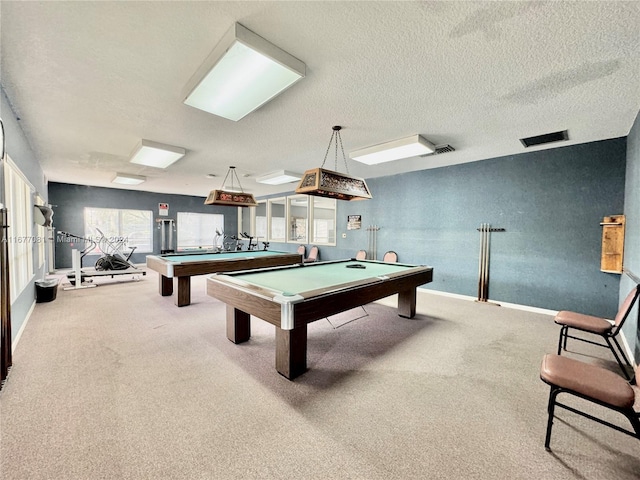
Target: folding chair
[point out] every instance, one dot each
(390, 257)
(592, 383)
(361, 255)
(313, 255)
(302, 250)
(599, 326)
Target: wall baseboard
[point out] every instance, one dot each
(22, 327)
(515, 306)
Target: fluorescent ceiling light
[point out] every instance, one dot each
(154, 154)
(242, 73)
(395, 150)
(127, 179)
(279, 177)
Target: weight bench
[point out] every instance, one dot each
(592, 383)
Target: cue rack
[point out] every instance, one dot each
(483, 265)
(373, 240)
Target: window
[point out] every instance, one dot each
(121, 229)
(298, 208)
(20, 234)
(294, 219)
(324, 221)
(277, 220)
(246, 220)
(261, 220)
(199, 230)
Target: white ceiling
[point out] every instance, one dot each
(88, 80)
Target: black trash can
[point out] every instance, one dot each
(46, 290)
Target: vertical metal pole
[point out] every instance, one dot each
(480, 262)
(76, 264)
(375, 242)
(485, 292)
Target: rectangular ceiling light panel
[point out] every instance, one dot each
(242, 73)
(128, 179)
(395, 150)
(279, 178)
(154, 154)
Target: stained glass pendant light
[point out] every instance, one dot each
(321, 182)
(231, 197)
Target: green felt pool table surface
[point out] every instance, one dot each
(178, 268)
(297, 280)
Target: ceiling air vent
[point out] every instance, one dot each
(440, 149)
(545, 138)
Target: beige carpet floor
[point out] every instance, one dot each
(116, 382)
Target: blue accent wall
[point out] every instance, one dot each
(19, 150)
(550, 203)
(631, 328)
(70, 200)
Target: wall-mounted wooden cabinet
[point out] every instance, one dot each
(612, 244)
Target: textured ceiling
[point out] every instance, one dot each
(88, 80)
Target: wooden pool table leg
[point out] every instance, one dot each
(165, 286)
(183, 296)
(238, 325)
(407, 303)
(291, 351)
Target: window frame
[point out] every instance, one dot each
(282, 229)
(311, 227)
(19, 204)
(91, 232)
(294, 223)
(215, 239)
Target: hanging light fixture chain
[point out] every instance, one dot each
(326, 154)
(344, 157)
(233, 173)
(335, 161)
(227, 176)
(335, 135)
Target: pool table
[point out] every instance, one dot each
(178, 268)
(290, 297)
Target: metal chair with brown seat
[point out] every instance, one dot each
(592, 383)
(599, 326)
(313, 255)
(390, 257)
(361, 255)
(302, 250)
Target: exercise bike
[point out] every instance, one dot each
(112, 262)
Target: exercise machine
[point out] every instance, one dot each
(111, 263)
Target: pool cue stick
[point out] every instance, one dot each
(480, 255)
(483, 263)
(485, 292)
(375, 242)
(483, 260)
